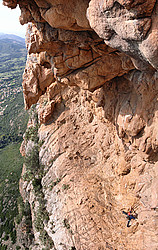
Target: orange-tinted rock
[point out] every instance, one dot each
(149, 46)
(60, 14)
(36, 79)
(101, 71)
(11, 4)
(45, 113)
(120, 25)
(82, 63)
(22, 149)
(97, 106)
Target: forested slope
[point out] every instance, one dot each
(13, 120)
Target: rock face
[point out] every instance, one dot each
(92, 69)
(130, 26)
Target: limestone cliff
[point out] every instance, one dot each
(91, 147)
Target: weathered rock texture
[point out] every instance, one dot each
(130, 26)
(92, 68)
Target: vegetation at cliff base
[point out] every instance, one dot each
(10, 171)
(13, 121)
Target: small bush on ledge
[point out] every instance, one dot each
(32, 133)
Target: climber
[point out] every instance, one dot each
(129, 217)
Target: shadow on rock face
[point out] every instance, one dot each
(130, 103)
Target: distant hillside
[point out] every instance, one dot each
(12, 113)
(11, 47)
(12, 37)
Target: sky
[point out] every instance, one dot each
(9, 21)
